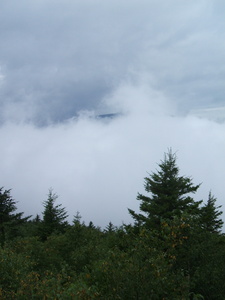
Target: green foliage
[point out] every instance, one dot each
(169, 195)
(143, 271)
(180, 262)
(14, 268)
(176, 252)
(209, 215)
(10, 222)
(53, 217)
(110, 227)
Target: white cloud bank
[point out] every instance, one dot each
(97, 166)
(60, 57)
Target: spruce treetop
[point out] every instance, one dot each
(9, 218)
(210, 215)
(169, 195)
(54, 216)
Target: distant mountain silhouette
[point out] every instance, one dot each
(107, 116)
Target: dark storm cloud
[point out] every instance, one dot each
(61, 57)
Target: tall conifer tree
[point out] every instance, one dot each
(169, 195)
(9, 219)
(210, 215)
(54, 216)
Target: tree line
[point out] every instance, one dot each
(174, 249)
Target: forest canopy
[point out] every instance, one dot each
(174, 249)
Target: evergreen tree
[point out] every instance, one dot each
(110, 228)
(9, 220)
(91, 225)
(169, 195)
(77, 219)
(210, 213)
(54, 216)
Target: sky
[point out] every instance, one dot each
(157, 65)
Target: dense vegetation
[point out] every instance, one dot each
(174, 249)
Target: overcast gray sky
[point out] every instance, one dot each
(159, 64)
